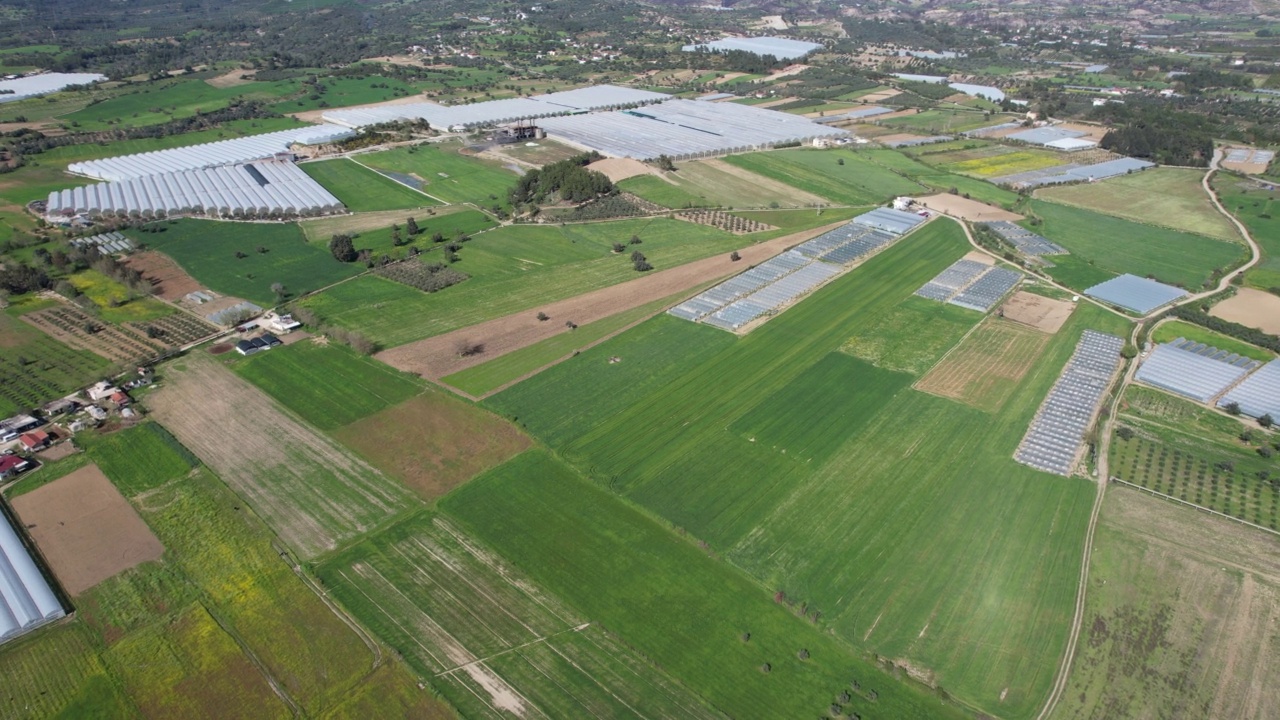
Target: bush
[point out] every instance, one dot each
(643, 266)
(1124, 432)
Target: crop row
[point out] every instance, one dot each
(173, 330)
(78, 329)
(423, 276)
(724, 221)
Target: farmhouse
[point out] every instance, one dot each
(249, 347)
(11, 465)
(23, 589)
(10, 428)
(101, 391)
(35, 440)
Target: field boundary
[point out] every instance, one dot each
(1201, 508)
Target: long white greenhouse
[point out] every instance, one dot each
(43, 84)
(222, 152)
(270, 188)
(26, 600)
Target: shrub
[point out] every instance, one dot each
(543, 317)
(643, 266)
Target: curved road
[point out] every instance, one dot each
(1104, 442)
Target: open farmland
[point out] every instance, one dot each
(58, 672)
(1258, 210)
(115, 303)
(1177, 616)
(986, 367)
(940, 122)
(312, 493)
(139, 458)
(995, 161)
(363, 190)
(447, 174)
(940, 180)
(433, 442)
(1169, 197)
(327, 385)
(514, 269)
(35, 368)
(208, 250)
(912, 336)
(77, 328)
(657, 432)
(1176, 258)
(671, 602)
(715, 182)
(820, 172)
(372, 231)
(492, 640)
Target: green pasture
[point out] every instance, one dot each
(447, 174)
(1259, 210)
(362, 189)
(139, 458)
(1115, 245)
(377, 237)
(58, 673)
(327, 385)
(207, 249)
(940, 122)
(156, 102)
(513, 269)
(876, 532)
(115, 302)
(35, 368)
(939, 180)
(667, 194)
(1174, 329)
(856, 182)
(1168, 197)
(663, 596)
(936, 326)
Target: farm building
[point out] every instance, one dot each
(35, 440)
(779, 47)
(12, 465)
(267, 188)
(207, 155)
(258, 344)
(44, 84)
(10, 428)
(26, 599)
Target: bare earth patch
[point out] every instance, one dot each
(86, 529)
(434, 442)
(168, 280)
(880, 96)
(1254, 308)
(966, 208)
(985, 368)
(619, 169)
(232, 78)
(436, 357)
(896, 137)
(316, 116)
(312, 492)
(1037, 311)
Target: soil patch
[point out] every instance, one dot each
(1037, 311)
(966, 208)
(434, 442)
(1254, 308)
(316, 116)
(58, 452)
(1093, 132)
(86, 529)
(232, 79)
(979, 256)
(436, 357)
(168, 280)
(619, 169)
(220, 348)
(986, 367)
(876, 97)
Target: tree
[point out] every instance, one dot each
(1124, 432)
(411, 227)
(734, 256)
(342, 248)
(1266, 421)
(1265, 451)
(262, 250)
(840, 161)
(803, 654)
(619, 247)
(396, 240)
(1232, 408)
(635, 240)
(765, 668)
(543, 317)
(1129, 351)
(664, 162)
(643, 266)
(278, 289)
(638, 257)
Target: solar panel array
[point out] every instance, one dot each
(496, 112)
(1194, 370)
(912, 142)
(1072, 172)
(1052, 443)
(222, 152)
(43, 84)
(1027, 242)
(987, 290)
(685, 129)
(264, 188)
(1138, 294)
(107, 243)
(1259, 394)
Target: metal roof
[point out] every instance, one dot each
(1259, 394)
(26, 600)
(43, 84)
(781, 48)
(204, 155)
(1138, 294)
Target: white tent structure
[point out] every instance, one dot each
(26, 600)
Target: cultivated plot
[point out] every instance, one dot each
(985, 369)
(311, 492)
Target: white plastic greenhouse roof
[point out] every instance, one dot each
(1136, 293)
(781, 48)
(222, 152)
(1192, 369)
(269, 187)
(36, 85)
(1071, 144)
(26, 600)
(494, 112)
(989, 92)
(685, 129)
(1259, 394)
(920, 78)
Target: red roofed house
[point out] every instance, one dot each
(34, 440)
(119, 398)
(11, 465)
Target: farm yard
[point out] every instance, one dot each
(1168, 197)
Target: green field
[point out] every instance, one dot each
(940, 122)
(115, 302)
(715, 183)
(157, 102)
(489, 376)
(207, 249)
(667, 194)
(373, 232)
(940, 180)
(448, 175)
(363, 190)
(1115, 245)
(514, 269)
(425, 574)
(1174, 329)
(139, 458)
(35, 368)
(997, 161)
(939, 326)
(1259, 210)
(671, 602)
(1169, 197)
(880, 538)
(856, 182)
(327, 385)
